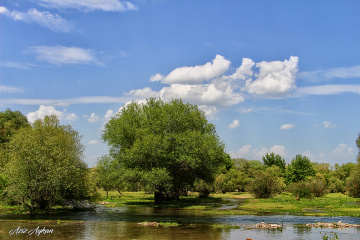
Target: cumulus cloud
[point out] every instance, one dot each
(49, 110)
(248, 152)
(197, 74)
(45, 19)
(90, 5)
(327, 124)
(93, 118)
(146, 92)
(287, 126)
(275, 79)
(8, 89)
(59, 55)
(340, 154)
(234, 124)
(245, 70)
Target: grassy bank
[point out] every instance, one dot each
(333, 204)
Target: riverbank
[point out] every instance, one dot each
(332, 204)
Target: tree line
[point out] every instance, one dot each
(166, 148)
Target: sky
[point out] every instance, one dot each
(272, 76)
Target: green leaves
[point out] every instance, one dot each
(46, 165)
(167, 136)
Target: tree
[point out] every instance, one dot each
(231, 181)
(266, 183)
(172, 138)
(10, 123)
(46, 165)
(299, 168)
(358, 146)
(272, 159)
(353, 182)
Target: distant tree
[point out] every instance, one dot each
(105, 174)
(299, 168)
(171, 139)
(10, 123)
(266, 184)
(272, 159)
(231, 181)
(353, 182)
(249, 167)
(358, 146)
(46, 165)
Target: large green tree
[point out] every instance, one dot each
(299, 168)
(170, 144)
(271, 159)
(46, 165)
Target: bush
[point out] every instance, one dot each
(265, 184)
(300, 189)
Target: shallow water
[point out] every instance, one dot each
(121, 223)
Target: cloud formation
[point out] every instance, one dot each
(326, 75)
(49, 110)
(45, 19)
(250, 153)
(59, 55)
(287, 126)
(275, 79)
(7, 89)
(93, 118)
(234, 124)
(327, 124)
(90, 5)
(331, 89)
(197, 74)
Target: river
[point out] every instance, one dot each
(122, 223)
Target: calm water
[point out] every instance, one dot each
(121, 223)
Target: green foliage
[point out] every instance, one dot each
(318, 185)
(265, 184)
(353, 182)
(231, 181)
(299, 169)
(45, 165)
(170, 137)
(249, 167)
(272, 159)
(300, 189)
(10, 122)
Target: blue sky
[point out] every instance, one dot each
(273, 76)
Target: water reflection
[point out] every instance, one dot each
(121, 223)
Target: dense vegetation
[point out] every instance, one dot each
(164, 148)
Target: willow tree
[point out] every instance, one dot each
(46, 165)
(168, 144)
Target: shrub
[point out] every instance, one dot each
(300, 189)
(265, 184)
(353, 182)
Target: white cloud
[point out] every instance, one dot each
(7, 89)
(90, 5)
(275, 79)
(325, 75)
(45, 19)
(245, 70)
(248, 152)
(157, 77)
(49, 110)
(197, 74)
(109, 114)
(340, 154)
(93, 118)
(327, 124)
(331, 89)
(59, 55)
(287, 126)
(234, 124)
(210, 111)
(17, 65)
(93, 142)
(66, 102)
(146, 92)
(203, 94)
